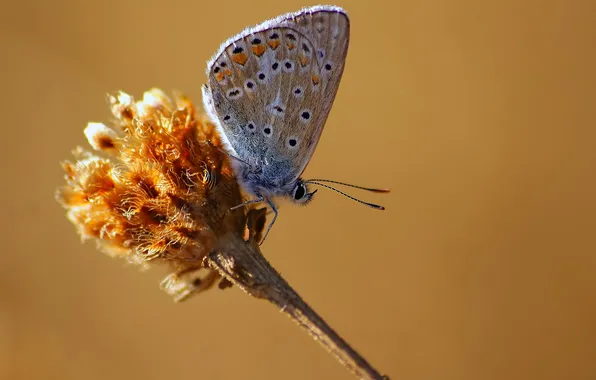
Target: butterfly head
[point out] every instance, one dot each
(299, 192)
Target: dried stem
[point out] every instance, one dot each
(243, 264)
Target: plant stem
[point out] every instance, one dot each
(243, 264)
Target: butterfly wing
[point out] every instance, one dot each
(272, 86)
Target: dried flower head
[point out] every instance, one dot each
(160, 190)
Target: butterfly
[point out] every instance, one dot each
(270, 91)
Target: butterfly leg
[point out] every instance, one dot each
(274, 209)
(251, 201)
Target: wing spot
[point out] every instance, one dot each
(234, 93)
(258, 47)
(319, 24)
(240, 58)
(288, 66)
(250, 85)
(237, 50)
(273, 41)
(328, 67)
(259, 50)
(298, 92)
(304, 61)
(267, 131)
(292, 142)
(276, 109)
(227, 117)
(291, 41)
(305, 115)
(261, 77)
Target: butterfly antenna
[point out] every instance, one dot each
(349, 185)
(378, 207)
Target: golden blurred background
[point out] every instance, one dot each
(479, 115)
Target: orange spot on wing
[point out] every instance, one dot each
(273, 44)
(219, 76)
(304, 61)
(291, 46)
(228, 72)
(258, 50)
(240, 58)
(315, 79)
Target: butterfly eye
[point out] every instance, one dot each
(300, 192)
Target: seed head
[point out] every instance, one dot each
(158, 188)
